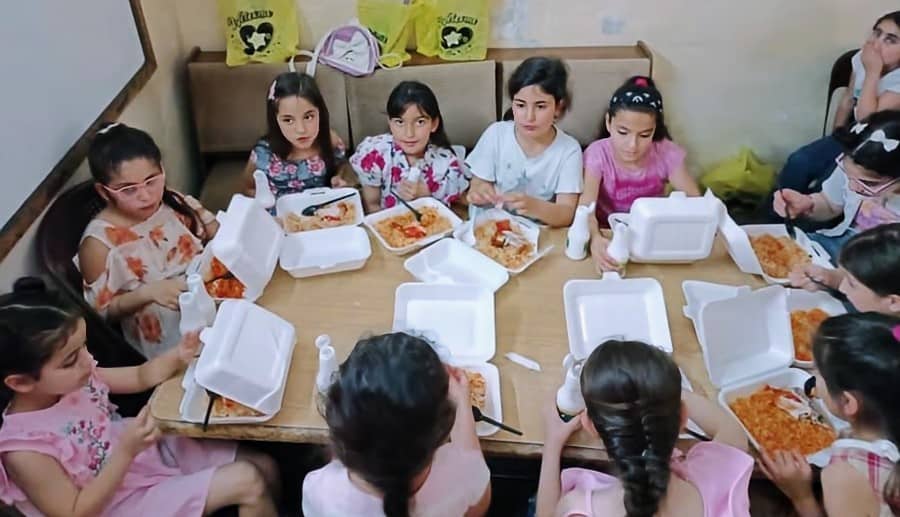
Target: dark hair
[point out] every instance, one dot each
(860, 353)
(548, 73)
(632, 392)
(643, 88)
(388, 412)
(34, 324)
(873, 257)
(294, 84)
(414, 92)
(856, 139)
(892, 16)
(116, 143)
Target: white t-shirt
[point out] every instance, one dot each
(888, 83)
(498, 158)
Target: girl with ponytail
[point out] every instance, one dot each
(390, 413)
(858, 357)
(635, 405)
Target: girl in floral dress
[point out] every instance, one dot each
(134, 253)
(415, 159)
(65, 451)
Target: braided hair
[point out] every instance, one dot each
(632, 393)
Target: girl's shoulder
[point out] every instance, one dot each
(566, 141)
(599, 153)
(382, 143)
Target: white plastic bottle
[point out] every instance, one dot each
(263, 193)
(206, 306)
(327, 366)
(618, 247)
(579, 234)
(191, 315)
(569, 401)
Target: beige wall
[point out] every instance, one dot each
(732, 72)
(159, 109)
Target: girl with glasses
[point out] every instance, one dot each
(134, 253)
(864, 186)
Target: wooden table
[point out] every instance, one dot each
(529, 320)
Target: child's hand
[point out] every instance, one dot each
(483, 194)
(166, 292)
(871, 59)
(189, 347)
(409, 190)
(139, 433)
(790, 472)
(802, 277)
(523, 204)
(338, 182)
(602, 261)
(458, 391)
(799, 204)
(336, 140)
(557, 431)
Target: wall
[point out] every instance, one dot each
(732, 72)
(160, 109)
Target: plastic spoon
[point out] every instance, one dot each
(788, 220)
(416, 213)
(311, 209)
(212, 400)
(479, 417)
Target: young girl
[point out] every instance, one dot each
(864, 186)
(65, 451)
(298, 152)
(528, 164)
(415, 159)
(134, 253)
(874, 86)
(390, 413)
(868, 271)
(635, 158)
(857, 356)
(635, 404)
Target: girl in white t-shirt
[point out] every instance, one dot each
(527, 164)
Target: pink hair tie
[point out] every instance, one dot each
(271, 95)
(896, 332)
(642, 82)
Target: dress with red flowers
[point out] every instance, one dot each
(291, 176)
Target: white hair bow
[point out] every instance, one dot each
(858, 128)
(889, 144)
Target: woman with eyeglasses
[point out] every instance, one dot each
(134, 253)
(864, 186)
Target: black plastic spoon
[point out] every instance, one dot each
(416, 213)
(311, 209)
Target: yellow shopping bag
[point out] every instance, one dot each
(454, 30)
(263, 31)
(390, 22)
(743, 175)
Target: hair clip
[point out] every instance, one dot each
(642, 82)
(896, 332)
(271, 95)
(880, 137)
(859, 128)
(106, 129)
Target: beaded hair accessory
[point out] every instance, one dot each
(642, 94)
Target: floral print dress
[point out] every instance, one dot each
(82, 430)
(379, 162)
(291, 176)
(156, 249)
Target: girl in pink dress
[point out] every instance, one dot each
(403, 435)
(857, 356)
(65, 451)
(634, 403)
(634, 158)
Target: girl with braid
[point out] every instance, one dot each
(634, 403)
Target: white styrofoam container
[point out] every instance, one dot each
(400, 209)
(671, 229)
(248, 243)
(747, 343)
(297, 202)
(246, 355)
(196, 401)
(465, 234)
(615, 308)
(461, 319)
(452, 262)
(320, 252)
(801, 300)
(737, 240)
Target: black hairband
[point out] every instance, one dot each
(641, 95)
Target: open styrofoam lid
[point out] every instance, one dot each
(295, 203)
(746, 336)
(614, 308)
(449, 261)
(246, 355)
(248, 242)
(459, 318)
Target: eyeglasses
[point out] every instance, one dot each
(869, 188)
(152, 183)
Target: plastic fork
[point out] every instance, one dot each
(480, 417)
(311, 209)
(416, 213)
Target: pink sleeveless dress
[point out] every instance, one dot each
(80, 431)
(720, 473)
